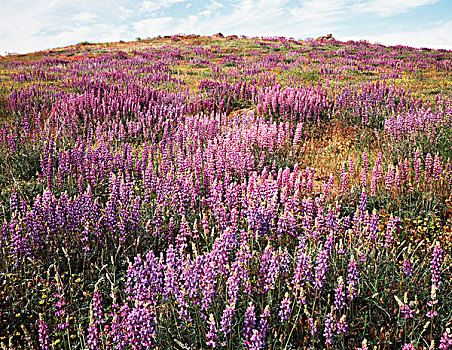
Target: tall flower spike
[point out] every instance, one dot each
(435, 264)
(407, 267)
(43, 331)
(321, 269)
(365, 163)
(404, 308)
(285, 308)
(226, 319)
(352, 279)
(351, 167)
(212, 336)
(342, 325)
(329, 329)
(250, 322)
(339, 296)
(373, 183)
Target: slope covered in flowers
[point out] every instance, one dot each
(208, 193)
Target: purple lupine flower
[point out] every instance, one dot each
(365, 163)
(97, 307)
(432, 312)
(226, 319)
(171, 272)
(96, 319)
(407, 267)
(351, 167)
(378, 169)
(297, 135)
(116, 331)
(446, 340)
(43, 331)
(428, 166)
(312, 324)
(303, 269)
(269, 270)
(373, 183)
(257, 340)
(212, 336)
(285, 308)
(435, 264)
(263, 324)
(144, 278)
(437, 169)
(329, 329)
(352, 279)
(363, 179)
(344, 177)
(14, 202)
(342, 325)
(398, 177)
(408, 346)
(392, 227)
(321, 269)
(404, 308)
(339, 295)
(372, 226)
(363, 201)
(328, 186)
(60, 311)
(249, 323)
(417, 165)
(389, 178)
(139, 325)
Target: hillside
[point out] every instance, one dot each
(206, 192)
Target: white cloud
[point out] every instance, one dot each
(320, 10)
(210, 9)
(386, 8)
(153, 26)
(50, 24)
(31, 16)
(437, 37)
(214, 5)
(205, 13)
(124, 13)
(151, 6)
(84, 17)
(269, 18)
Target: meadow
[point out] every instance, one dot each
(192, 192)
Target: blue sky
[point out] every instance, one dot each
(31, 25)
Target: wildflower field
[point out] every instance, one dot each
(195, 192)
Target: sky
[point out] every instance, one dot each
(34, 25)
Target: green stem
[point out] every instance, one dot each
(293, 327)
